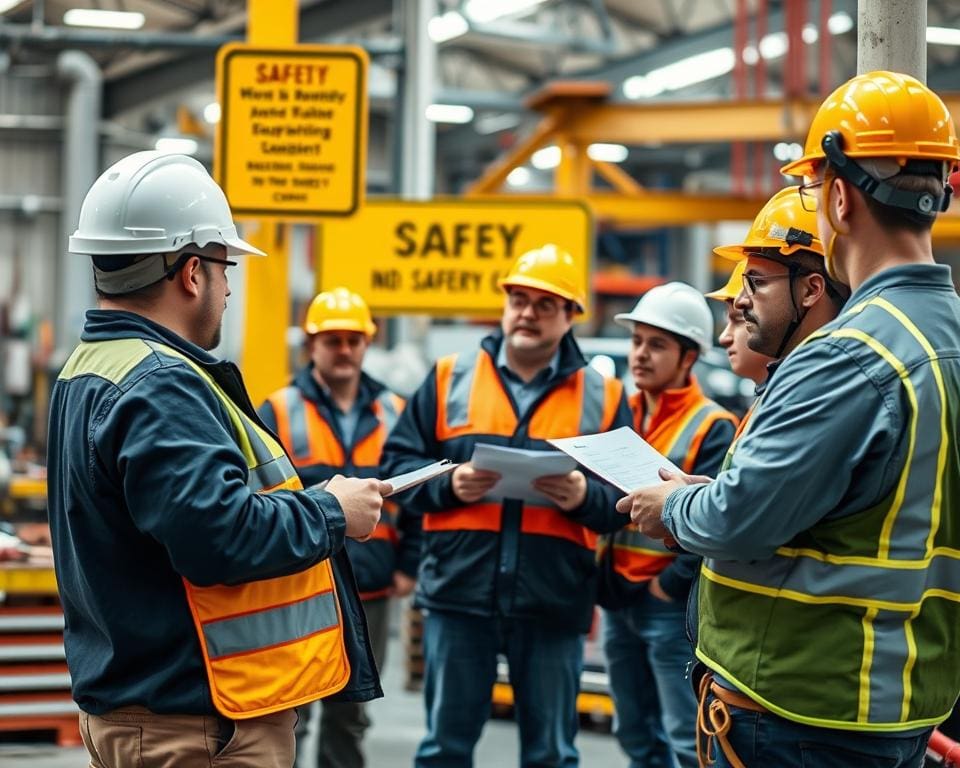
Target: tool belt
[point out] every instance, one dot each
(714, 721)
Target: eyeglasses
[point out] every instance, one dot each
(808, 198)
(752, 282)
(542, 307)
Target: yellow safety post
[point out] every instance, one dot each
(264, 358)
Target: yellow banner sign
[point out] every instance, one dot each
(292, 137)
(443, 257)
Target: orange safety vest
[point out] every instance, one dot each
(472, 400)
(310, 441)
(271, 644)
(677, 429)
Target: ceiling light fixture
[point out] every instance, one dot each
(449, 113)
(546, 158)
(94, 17)
(943, 36)
(212, 112)
(176, 146)
(518, 177)
(608, 153)
(9, 5)
(447, 27)
(680, 74)
(483, 11)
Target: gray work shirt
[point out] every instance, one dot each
(346, 420)
(526, 393)
(828, 437)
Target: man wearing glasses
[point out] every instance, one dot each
(830, 623)
(206, 592)
(504, 575)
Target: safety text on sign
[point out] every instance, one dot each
(292, 133)
(443, 257)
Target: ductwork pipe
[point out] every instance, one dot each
(80, 165)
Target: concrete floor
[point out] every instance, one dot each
(398, 725)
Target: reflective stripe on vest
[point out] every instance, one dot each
(270, 644)
(471, 400)
(875, 578)
(637, 557)
(310, 440)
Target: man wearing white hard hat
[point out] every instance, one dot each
(646, 585)
(206, 593)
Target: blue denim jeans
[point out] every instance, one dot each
(763, 739)
(656, 712)
(460, 652)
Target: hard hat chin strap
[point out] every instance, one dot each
(798, 314)
(921, 207)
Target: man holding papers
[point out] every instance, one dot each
(647, 585)
(333, 419)
(509, 576)
(829, 592)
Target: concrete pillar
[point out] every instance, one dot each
(892, 35)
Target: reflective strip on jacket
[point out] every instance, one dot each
(318, 453)
(506, 558)
(850, 624)
(677, 430)
(276, 643)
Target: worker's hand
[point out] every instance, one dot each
(470, 484)
(361, 500)
(566, 491)
(686, 479)
(657, 591)
(645, 505)
(403, 585)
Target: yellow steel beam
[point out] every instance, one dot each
(670, 209)
(574, 175)
(495, 176)
(618, 178)
(267, 291)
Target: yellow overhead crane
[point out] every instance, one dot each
(577, 114)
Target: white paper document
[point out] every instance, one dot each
(518, 468)
(620, 457)
(409, 479)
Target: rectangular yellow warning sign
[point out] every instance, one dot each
(444, 257)
(292, 137)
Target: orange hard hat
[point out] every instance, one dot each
(782, 224)
(734, 285)
(339, 309)
(552, 270)
(881, 114)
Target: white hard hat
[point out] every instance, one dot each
(675, 307)
(152, 202)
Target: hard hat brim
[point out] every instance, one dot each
(629, 319)
(730, 252)
(238, 247)
(804, 166)
(540, 285)
(341, 325)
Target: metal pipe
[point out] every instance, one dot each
(81, 164)
(66, 37)
(892, 35)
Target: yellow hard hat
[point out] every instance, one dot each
(339, 309)
(733, 287)
(881, 114)
(782, 224)
(549, 269)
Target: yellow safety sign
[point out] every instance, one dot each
(443, 257)
(292, 137)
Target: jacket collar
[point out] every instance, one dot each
(906, 275)
(672, 403)
(570, 358)
(112, 324)
(370, 389)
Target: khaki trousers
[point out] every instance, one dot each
(134, 737)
